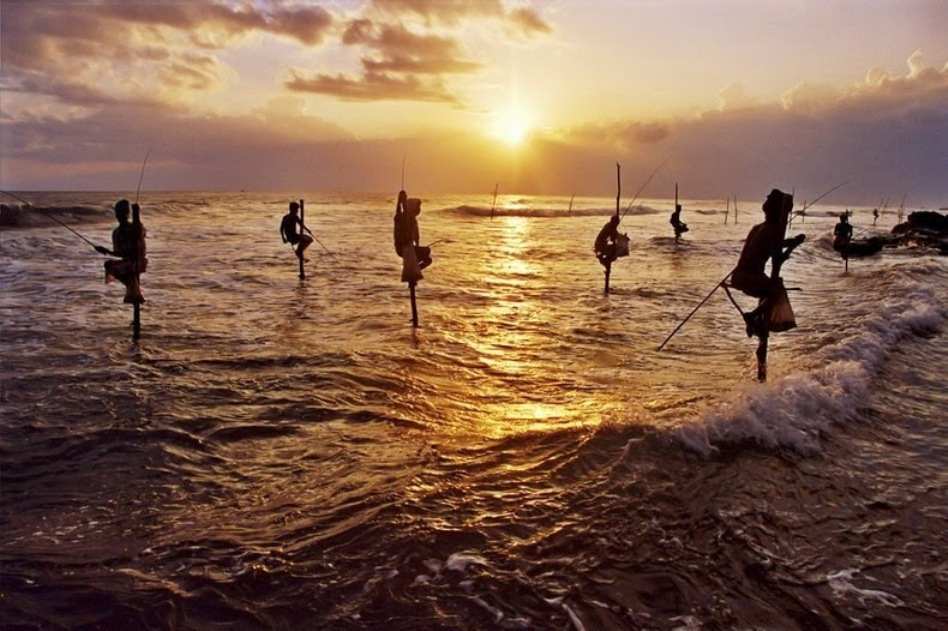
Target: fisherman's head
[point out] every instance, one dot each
(843, 217)
(677, 208)
(773, 204)
(122, 209)
(614, 220)
(413, 205)
(294, 207)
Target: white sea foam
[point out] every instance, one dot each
(842, 584)
(796, 410)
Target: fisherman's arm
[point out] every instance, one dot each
(116, 247)
(400, 203)
(791, 245)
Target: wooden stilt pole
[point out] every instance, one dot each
(727, 210)
(762, 355)
(299, 251)
(137, 322)
(618, 196)
(414, 305)
(140, 235)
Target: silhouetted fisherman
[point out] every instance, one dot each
(875, 214)
(676, 222)
(406, 236)
(289, 232)
(764, 242)
(128, 243)
(842, 235)
(605, 245)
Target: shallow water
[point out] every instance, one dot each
(277, 453)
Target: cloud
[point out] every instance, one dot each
(371, 86)
(808, 94)
(399, 65)
(114, 50)
(195, 152)
(735, 97)
(885, 135)
(399, 50)
(522, 20)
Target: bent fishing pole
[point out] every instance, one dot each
(808, 204)
(642, 188)
(46, 214)
(141, 175)
(695, 310)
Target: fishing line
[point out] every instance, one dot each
(46, 214)
(643, 186)
(328, 251)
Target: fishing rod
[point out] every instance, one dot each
(42, 212)
(807, 205)
(695, 310)
(643, 186)
(328, 251)
(141, 175)
(403, 173)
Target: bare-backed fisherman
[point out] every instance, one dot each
(128, 243)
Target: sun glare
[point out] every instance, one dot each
(515, 131)
(512, 128)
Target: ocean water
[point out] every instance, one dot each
(277, 453)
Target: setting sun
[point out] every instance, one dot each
(515, 130)
(512, 127)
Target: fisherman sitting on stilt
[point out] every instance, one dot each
(407, 237)
(842, 235)
(605, 244)
(765, 241)
(128, 242)
(288, 230)
(676, 222)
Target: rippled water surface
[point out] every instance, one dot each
(285, 454)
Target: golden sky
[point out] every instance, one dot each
(541, 96)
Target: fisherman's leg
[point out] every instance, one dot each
(119, 270)
(133, 291)
(757, 321)
(757, 286)
(110, 270)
